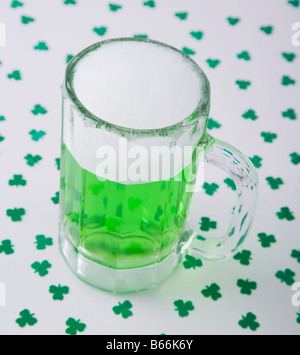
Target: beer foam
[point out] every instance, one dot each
(139, 85)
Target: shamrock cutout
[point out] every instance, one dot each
(267, 29)
(114, 7)
(42, 242)
(17, 181)
(59, 292)
(274, 182)
(286, 276)
(206, 224)
(69, 58)
(16, 75)
(39, 110)
(188, 51)
(213, 63)
(244, 257)
(233, 20)
(123, 309)
(150, 3)
(210, 189)
(70, 2)
(244, 55)
(26, 20)
(230, 183)
(289, 56)
(1, 139)
(32, 160)
(16, 3)
(100, 30)
(55, 199)
(41, 46)
(290, 113)
(268, 137)
(197, 34)
(41, 268)
(266, 240)
(36, 135)
(294, 3)
(243, 84)
(296, 254)
(246, 286)
(134, 203)
(213, 124)
(212, 291)
(249, 321)
(285, 213)
(57, 162)
(26, 318)
(182, 15)
(16, 214)
(183, 308)
(191, 262)
(295, 158)
(6, 247)
(74, 326)
(256, 161)
(286, 80)
(158, 214)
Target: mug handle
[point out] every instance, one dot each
(241, 170)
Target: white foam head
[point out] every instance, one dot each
(137, 84)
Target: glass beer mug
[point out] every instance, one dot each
(135, 113)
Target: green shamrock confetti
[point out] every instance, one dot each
(55, 199)
(70, 2)
(150, 4)
(246, 286)
(16, 3)
(285, 213)
(74, 326)
(26, 20)
(2, 118)
(26, 318)
(286, 276)
(251, 114)
(6, 247)
(286, 81)
(191, 262)
(41, 46)
(298, 318)
(17, 181)
(266, 240)
(140, 36)
(249, 321)
(188, 51)
(41, 268)
(230, 183)
(233, 20)
(212, 291)
(274, 182)
(1, 139)
(268, 137)
(197, 35)
(206, 224)
(211, 124)
(124, 309)
(183, 308)
(210, 189)
(36, 135)
(289, 56)
(69, 58)
(267, 29)
(294, 3)
(16, 214)
(39, 110)
(290, 113)
(244, 55)
(58, 292)
(32, 160)
(16, 75)
(182, 15)
(244, 257)
(213, 63)
(115, 7)
(134, 203)
(100, 30)
(57, 162)
(256, 161)
(243, 84)
(42, 242)
(295, 158)
(296, 254)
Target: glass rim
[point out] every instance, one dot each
(202, 106)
